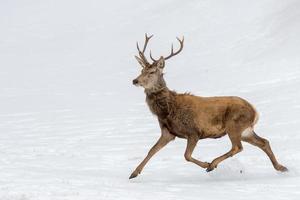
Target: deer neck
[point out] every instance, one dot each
(160, 100)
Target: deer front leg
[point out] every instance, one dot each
(164, 139)
(191, 144)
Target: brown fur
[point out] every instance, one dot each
(208, 117)
(194, 118)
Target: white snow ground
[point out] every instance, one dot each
(73, 127)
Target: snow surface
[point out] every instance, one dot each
(72, 126)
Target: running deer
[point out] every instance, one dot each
(194, 117)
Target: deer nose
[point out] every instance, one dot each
(135, 81)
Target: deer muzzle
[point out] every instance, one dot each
(135, 82)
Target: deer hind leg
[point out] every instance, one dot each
(235, 138)
(264, 145)
(164, 139)
(191, 144)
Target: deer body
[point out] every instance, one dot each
(194, 118)
(206, 117)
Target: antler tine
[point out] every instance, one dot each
(146, 43)
(179, 50)
(152, 57)
(137, 46)
(141, 53)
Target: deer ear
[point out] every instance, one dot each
(161, 63)
(140, 61)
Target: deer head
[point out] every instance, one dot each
(152, 73)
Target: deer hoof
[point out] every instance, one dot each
(281, 168)
(134, 174)
(210, 167)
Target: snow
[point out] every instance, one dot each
(73, 127)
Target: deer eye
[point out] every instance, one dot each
(152, 72)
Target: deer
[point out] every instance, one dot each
(195, 117)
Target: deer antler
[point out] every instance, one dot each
(141, 53)
(172, 50)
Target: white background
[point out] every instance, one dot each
(72, 126)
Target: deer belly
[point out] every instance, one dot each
(213, 132)
(180, 129)
(214, 135)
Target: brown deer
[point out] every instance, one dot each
(194, 117)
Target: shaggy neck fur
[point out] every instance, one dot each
(160, 99)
